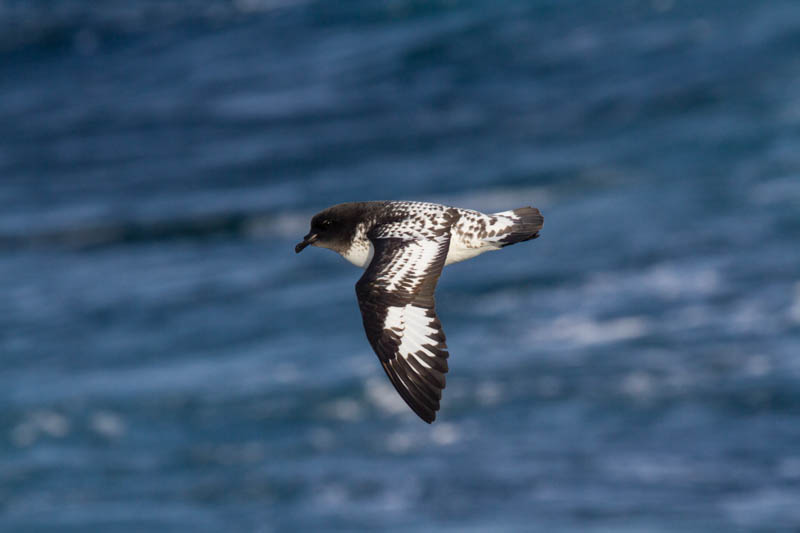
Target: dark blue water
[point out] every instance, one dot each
(167, 363)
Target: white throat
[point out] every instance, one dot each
(360, 253)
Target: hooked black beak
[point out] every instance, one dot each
(308, 239)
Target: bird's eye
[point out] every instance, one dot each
(326, 222)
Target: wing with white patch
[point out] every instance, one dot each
(395, 295)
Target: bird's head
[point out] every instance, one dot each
(332, 228)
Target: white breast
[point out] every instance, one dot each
(360, 253)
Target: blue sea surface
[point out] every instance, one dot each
(168, 364)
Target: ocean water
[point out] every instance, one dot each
(167, 363)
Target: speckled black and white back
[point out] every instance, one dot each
(473, 232)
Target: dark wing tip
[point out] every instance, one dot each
(421, 397)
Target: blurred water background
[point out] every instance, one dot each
(167, 363)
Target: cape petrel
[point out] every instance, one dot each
(403, 246)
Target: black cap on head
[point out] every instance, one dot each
(333, 227)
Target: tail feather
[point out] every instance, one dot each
(527, 221)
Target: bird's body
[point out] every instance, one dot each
(403, 246)
(471, 234)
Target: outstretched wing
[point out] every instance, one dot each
(395, 295)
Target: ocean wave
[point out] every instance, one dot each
(579, 331)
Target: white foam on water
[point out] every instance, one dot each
(794, 309)
(638, 384)
(332, 495)
(345, 409)
(399, 442)
(398, 499)
(40, 423)
(669, 281)
(107, 424)
(675, 282)
(764, 507)
(586, 331)
(445, 434)
(381, 394)
(651, 469)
